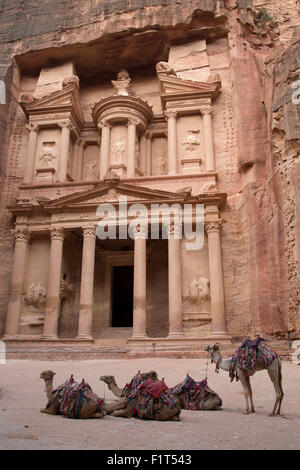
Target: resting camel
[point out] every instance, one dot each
(208, 400)
(125, 408)
(274, 371)
(91, 405)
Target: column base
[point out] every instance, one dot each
(139, 336)
(219, 334)
(10, 337)
(175, 335)
(84, 337)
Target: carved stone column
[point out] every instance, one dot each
(80, 155)
(64, 151)
(172, 143)
(213, 230)
(105, 148)
(139, 285)
(208, 138)
(175, 283)
(53, 289)
(131, 143)
(143, 153)
(87, 283)
(149, 154)
(17, 281)
(31, 152)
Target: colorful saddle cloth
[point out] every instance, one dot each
(147, 393)
(72, 395)
(249, 354)
(194, 393)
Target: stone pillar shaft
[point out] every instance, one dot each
(149, 155)
(143, 153)
(172, 143)
(139, 287)
(131, 149)
(216, 278)
(208, 140)
(104, 149)
(87, 283)
(17, 281)
(53, 289)
(175, 286)
(64, 152)
(80, 160)
(31, 153)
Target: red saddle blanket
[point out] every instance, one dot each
(155, 389)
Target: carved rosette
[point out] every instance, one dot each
(89, 232)
(21, 235)
(57, 234)
(213, 226)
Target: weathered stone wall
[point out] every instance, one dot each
(253, 44)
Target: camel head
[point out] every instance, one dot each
(47, 375)
(212, 349)
(108, 379)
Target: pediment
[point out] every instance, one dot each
(175, 87)
(107, 193)
(65, 99)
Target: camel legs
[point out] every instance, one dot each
(252, 410)
(274, 372)
(211, 403)
(127, 413)
(115, 406)
(247, 392)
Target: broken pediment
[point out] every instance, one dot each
(56, 105)
(173, 88)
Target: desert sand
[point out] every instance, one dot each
(22, 395)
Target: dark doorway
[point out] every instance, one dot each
(122, 296)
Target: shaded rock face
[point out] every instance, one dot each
(254, 45)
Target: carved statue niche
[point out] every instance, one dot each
(191, 141)
(48, 156)
(35, 295)
(119, 152)
(199, 290)
(123, 83)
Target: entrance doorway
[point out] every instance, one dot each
(122, 296)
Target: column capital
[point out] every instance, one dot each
(140, 232)
(133, 121)
(89, 232)
(174, 230)
(104, 123)
(206, 110)
(21, 234)
(170, 113)
(214, 226)
(32, 126)
(66, 124)
(57, 233)
(149, 135)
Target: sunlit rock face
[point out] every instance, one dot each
(193, 99)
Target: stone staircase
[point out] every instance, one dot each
(118, 348)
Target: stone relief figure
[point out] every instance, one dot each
(35, 295)
(199, 290)
(123, 83)
(48, 156)
(90, 170)
(66, 289)
(119, 151)
(164, 67)
(191, 141)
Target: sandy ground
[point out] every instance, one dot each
(22, 395)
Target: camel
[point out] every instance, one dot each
(274, 371)
(91, 405)
(126, 408)
(209, 399)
